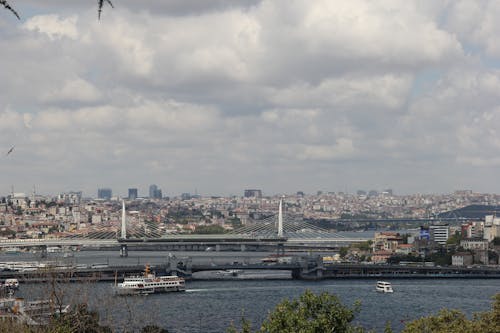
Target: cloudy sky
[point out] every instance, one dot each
(221, 95)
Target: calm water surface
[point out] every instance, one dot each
(211, 306)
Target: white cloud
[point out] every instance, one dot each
(54, 26)
(230, 93)
(77, 90)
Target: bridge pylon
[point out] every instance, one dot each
(280, 219)
(124, 247)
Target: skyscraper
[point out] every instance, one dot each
(104, 193)
(132, 193)
(252, 194)
(154, 192)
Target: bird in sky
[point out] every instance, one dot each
(10, 151)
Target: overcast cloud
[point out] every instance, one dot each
(218, 96)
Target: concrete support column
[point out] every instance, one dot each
(281, 249)
(123, 250)
(243, 247)
(217, 247)
(43, 251)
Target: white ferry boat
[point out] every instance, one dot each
(11, 284)
(384, 287)
(149, 284)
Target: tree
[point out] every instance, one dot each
(8, 7)
(454, 321)
(312, 314)
(100, 4)
(343, 252)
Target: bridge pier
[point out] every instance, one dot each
(217, 248)
(281, 249)
(43, 251)
(123, 250)
(243, 247)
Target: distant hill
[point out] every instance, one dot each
(472, 212)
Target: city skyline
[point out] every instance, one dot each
(156, 192)
(222, 96)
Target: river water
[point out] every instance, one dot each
(211, 306)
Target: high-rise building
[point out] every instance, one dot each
(104, 193)
(154, 192)
(252, 194)
(439, 233)
(132, 193)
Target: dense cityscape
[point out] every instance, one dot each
(249, 166)
(435, 230)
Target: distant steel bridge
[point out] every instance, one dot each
(272, 231)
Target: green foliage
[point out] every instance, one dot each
(235, 222)
(397, 258)
(363, 246)
(454, 239)
(78, 320)
(454, 321)
(311, 314)
(209, 229)
(343, 252)
(388, 328)
(246, 327)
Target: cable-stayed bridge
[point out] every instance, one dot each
(281, 230)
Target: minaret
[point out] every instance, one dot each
(280, 219)
(33, 198)
(124, 221)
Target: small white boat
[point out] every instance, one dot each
(12, 284)
(384, 287)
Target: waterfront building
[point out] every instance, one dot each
(380, 257)
(491, 228)
(461, 259)
(132, 193)
(387, 241)
(473, 230)
(104, 193)
(474, 244)
(439, 233)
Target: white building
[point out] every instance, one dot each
(474, 244)
(461, 259)
(439, 233)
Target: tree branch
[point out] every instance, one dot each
(8, 7)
